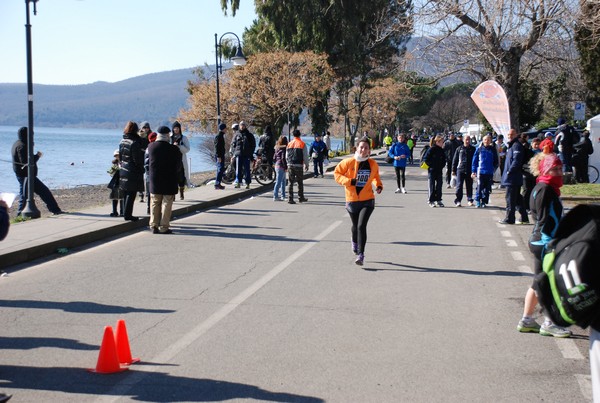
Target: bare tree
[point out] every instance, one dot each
(503, 40)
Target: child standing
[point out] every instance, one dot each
(280, 168)
(116, 195)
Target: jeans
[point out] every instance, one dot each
(279, 183)
(463, 178)
(318, 167)
(484, 184)
(220, 170)
(295, 174)
(39, 189)
(435, 186)
(243, 169)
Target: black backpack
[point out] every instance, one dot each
(569, 286)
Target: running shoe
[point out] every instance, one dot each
(432, 204)
(397, 190)
(457, 204)
(550, 329)
(360, 259)
(404, 190)
(528, 326)
(440, 204)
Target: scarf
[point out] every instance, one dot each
(546, 164)
(359, 158)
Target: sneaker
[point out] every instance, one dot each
(550, 329)
(478, 205)
(303, 200)
(359, 259)
(354, 247)
(482, 205)
(404, 190)
(397, 190)
(432, 204)
(440, 204)
(505, 221)
(219, 187)
(457, 204)
(528, 326)
(237, 186)
(470, 204)
(282, 198)
(247, 186)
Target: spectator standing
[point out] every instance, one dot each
(450, 147)
(243, 145)
(501, 149)
(528, 178)
(411, 143)
(400, 153)
(220, 155)
(581, 157)
(462, 165)
(146, 134)
(546, 211)
(327, 140)
(512, 179)
(358, 174)
(20, 159)
(266, 145)
(485, 163)
(547, 142)
(280, 169)
(165, 167)
(297, 158)
(131, 174)
(564, 141)
(318, 152)
(435, 158)
(181, 141)
(116, 194)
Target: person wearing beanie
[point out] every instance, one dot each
(131, 174)
(183, 143)
(220, 155)
(165, 168)
(20, 167)
(546, 211)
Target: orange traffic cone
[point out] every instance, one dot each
(122, 340)
(108, 361)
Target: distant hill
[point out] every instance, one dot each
(156, 97)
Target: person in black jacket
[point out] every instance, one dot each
(20, 159)
(435, 158)
(220, 155)
(131, 179)
(244, 144)
(512, 179)
(581, 157)
(450, 147)
(462, 168)
(165, 168)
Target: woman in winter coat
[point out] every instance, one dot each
(183, 143)
(435, 158)
(131, 174)
(400, 152)
(280, 169)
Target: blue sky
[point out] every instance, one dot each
(84, 41)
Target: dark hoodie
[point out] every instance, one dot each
(19, 155)
(174, 137)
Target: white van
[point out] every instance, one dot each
(593, 125)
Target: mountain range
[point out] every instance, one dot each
(156, 97)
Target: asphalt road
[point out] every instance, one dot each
(261, 300)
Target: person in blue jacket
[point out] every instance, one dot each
(318, 152)
(400, 152)
(485, 162)
(512, 179)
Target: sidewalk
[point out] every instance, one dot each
(42, 237)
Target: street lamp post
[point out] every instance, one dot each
(238, 60)
(30, 210)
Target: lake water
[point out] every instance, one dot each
(76, 157)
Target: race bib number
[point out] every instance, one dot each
(362, 177)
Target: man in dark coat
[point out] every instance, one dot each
(19, 159)
(581, 157)
(244, 144)
(131, 174)
(450, 147)
(165, 169)
(512, 179)
(220, 155)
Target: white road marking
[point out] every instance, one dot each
(525, 269)
(585, 385)
(518, 256)
(121, 389)
(505, 234)
(569, 349)
(511, 243)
